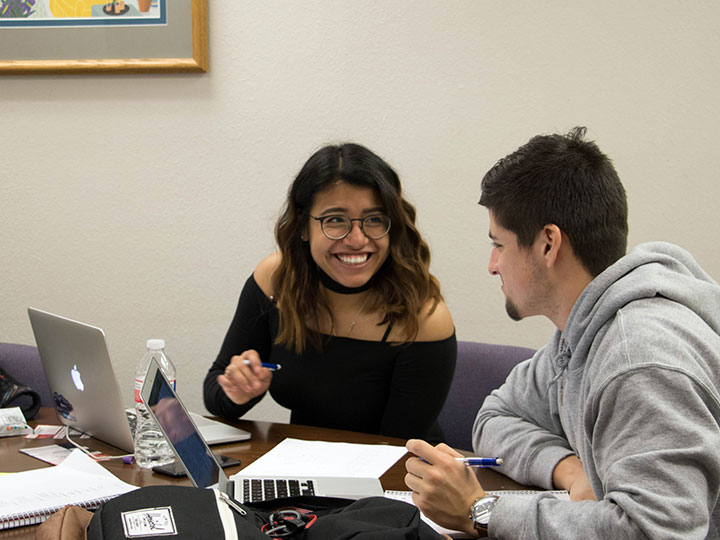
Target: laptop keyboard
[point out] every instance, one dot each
(263, 489)
(132, 420)
(256, 489)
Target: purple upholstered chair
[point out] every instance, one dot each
(481, 368)
(22, 363)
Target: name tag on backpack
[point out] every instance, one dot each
(149, 522)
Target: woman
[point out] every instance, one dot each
(347, 308)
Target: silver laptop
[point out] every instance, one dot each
(203, 469)
(80, 375)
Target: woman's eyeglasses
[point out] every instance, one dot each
(374, 226)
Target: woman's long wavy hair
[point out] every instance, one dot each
(401, 287)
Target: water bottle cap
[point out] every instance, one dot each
(156, 344)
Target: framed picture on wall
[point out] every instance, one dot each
(124, 36)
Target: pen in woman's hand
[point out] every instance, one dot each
(480, 461)
(271, 367)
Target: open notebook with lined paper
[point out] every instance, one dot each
(30, 497)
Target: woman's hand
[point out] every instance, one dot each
(244, 378)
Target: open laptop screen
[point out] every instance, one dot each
(175, 421)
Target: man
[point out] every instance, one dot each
(621, 407)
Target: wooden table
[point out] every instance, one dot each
(265, 435)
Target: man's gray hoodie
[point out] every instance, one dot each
(632, 388)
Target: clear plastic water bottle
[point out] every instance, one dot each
(151, 447)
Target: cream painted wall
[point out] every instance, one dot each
(141, 203)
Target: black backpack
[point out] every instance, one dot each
(186, 513)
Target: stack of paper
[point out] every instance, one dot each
(294, 457)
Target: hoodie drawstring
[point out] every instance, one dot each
(561, 360)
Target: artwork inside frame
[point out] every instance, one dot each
(78, 36)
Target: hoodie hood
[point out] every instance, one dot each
(649, 270)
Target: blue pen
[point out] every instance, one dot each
(480, 461)
(271, 367)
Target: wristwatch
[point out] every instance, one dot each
(481, 510)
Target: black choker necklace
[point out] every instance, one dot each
(334, 286)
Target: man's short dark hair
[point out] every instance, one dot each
(566, 181)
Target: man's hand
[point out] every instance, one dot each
(443, 488)
(570, 476)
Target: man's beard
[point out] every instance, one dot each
(512, 311)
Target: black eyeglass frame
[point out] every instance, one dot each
(323, 219)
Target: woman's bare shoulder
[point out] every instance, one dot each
(264, 272)
(437, 325)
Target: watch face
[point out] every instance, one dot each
(482, 509)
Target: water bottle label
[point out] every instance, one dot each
(139, 385)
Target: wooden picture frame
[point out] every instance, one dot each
(178, 44)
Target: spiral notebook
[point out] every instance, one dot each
(30, 497)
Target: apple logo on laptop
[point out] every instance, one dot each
(77, 380)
